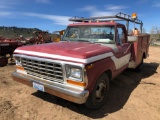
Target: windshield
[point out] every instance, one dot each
(97, 34)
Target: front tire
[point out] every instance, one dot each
(99, 94)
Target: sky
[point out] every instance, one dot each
(53, 15)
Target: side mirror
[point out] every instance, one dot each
(132, 39)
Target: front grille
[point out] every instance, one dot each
(42, 69)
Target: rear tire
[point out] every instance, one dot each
(99, 94)
(3, 61)
(139, 68)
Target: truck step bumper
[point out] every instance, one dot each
(72, 95)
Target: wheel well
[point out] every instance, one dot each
(109, 73)
(144, 55)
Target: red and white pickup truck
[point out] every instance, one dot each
(91, 53)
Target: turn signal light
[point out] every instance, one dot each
(76, 83)
(90, 66)
(20, 67)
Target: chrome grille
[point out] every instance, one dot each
(42, 69)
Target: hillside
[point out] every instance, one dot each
(14, 32)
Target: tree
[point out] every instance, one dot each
(154, 33)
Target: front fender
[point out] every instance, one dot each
(94, 70)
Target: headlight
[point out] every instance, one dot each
(74, 72)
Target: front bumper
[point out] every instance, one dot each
(57, 89)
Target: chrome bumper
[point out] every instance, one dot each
(57, 89)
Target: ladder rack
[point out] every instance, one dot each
(118, 17)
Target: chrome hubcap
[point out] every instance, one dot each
(100, 92)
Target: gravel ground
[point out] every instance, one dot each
(132, 96)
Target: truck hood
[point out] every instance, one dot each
(83, 52)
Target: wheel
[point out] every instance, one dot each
(99, 94)
(3, 61)
(140, 66)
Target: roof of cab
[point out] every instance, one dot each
(94, 23)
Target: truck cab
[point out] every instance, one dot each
(109, 35)
(79, 68)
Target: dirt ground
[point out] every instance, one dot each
(132, 96)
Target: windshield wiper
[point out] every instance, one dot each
(65, 40)
(79, 40)
(85, 41)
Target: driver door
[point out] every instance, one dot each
(123, 55)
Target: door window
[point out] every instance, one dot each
(120, 36)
